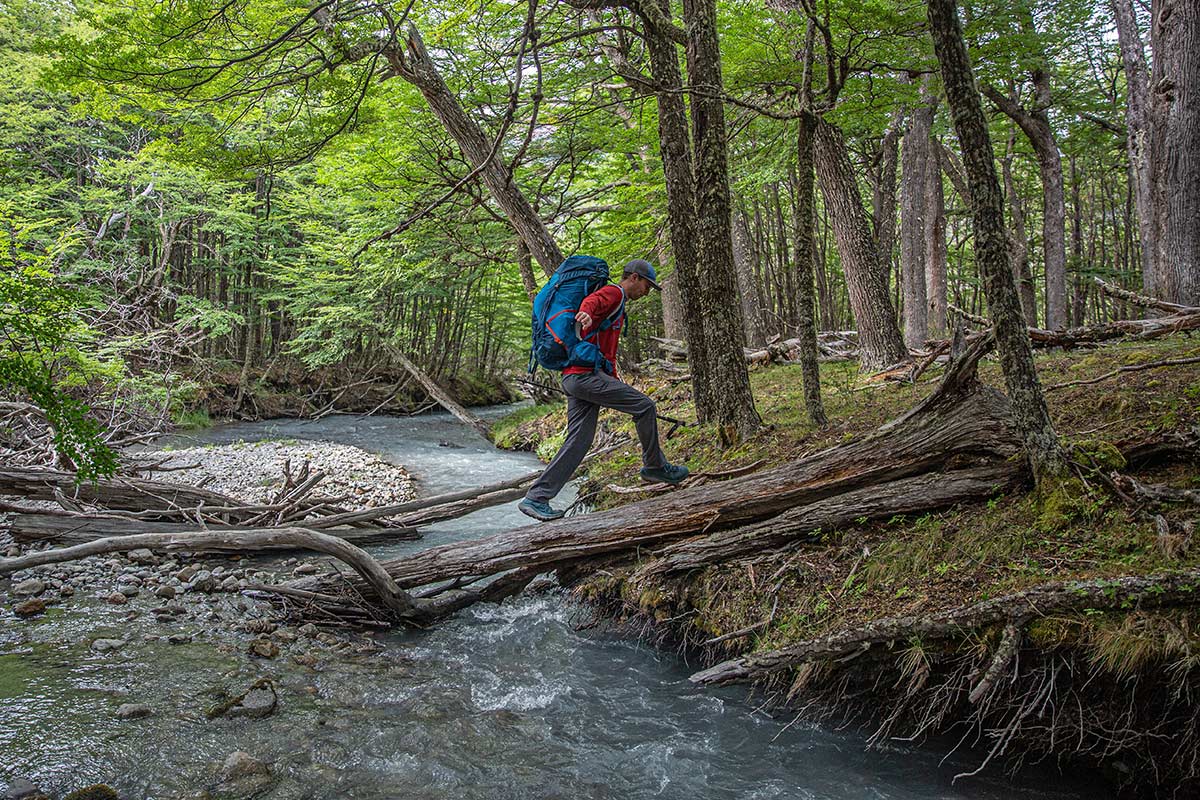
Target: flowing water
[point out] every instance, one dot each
(503, 701)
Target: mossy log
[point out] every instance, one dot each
(960, 427)
(1147, 591)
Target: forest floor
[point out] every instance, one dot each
(938, 561)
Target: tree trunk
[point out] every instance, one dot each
(1137, 120)
(1036, 125)
(747, 284)
(438, 393)
(991, 250)
(1175, 153)
(806, 253)
(879, 335)
(1018, 244)
(935, 243)
(735, 414)
(914, 157)
(675, 150)
(415, 66)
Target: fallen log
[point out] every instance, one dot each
(1142, 300)
(1186, 320)
(928, 492)
(381, 584)
(438, 393)
(30, 527)
(961, 424)
(122, 493)
(1150, 591)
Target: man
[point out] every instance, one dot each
(590, 390)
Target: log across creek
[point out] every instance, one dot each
(958, 445)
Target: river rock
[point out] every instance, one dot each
(203, 582)
(230, 584)
(133, 711)
(306, 569)
(30, 608)
(12, 552)
(255, 704)
(264, 648)
(142, 556)
(165, 592)
(179, 638)
(187, 573)
(67, 590)
(128, 589)
(107, 645)
(308, 629)
(242, 765)
(117, 598)
(29, 588)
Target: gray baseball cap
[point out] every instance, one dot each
(642, 267)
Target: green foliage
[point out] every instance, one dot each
(43, 341)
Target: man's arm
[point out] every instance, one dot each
(596, 306)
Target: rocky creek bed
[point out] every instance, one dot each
(192, 598)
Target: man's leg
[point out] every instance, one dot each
(581, 429)
(605, 390)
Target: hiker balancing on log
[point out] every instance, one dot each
(577, 320)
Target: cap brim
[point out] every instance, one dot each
(652, 283)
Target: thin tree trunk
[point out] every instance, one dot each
(415, 66)
(1137, 111)
(935, 243)
(675, 150)
(1036, 125)
(1012, 338)
(806, 321)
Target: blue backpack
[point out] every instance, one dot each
(556, 344)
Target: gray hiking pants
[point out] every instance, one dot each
(586, 395)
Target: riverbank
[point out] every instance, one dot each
(1133, 671)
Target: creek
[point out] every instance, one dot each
(503, 701)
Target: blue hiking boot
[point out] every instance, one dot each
(539, 511)
(671, 473)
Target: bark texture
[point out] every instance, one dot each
(806, 253)
(1137, 119)
(1175, 41)
(991, 248)
(914, 156)
(879, 335)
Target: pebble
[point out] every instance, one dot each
(306, 569)
(13, 552)
(67, 590)
(107, 645)
(165, 592)
(142, 556)
(179, 638)
(187, 573)
(128, 589)
(256, 704)
(117, 599)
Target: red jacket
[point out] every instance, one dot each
(598, 305)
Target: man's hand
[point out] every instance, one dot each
(584, 320)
